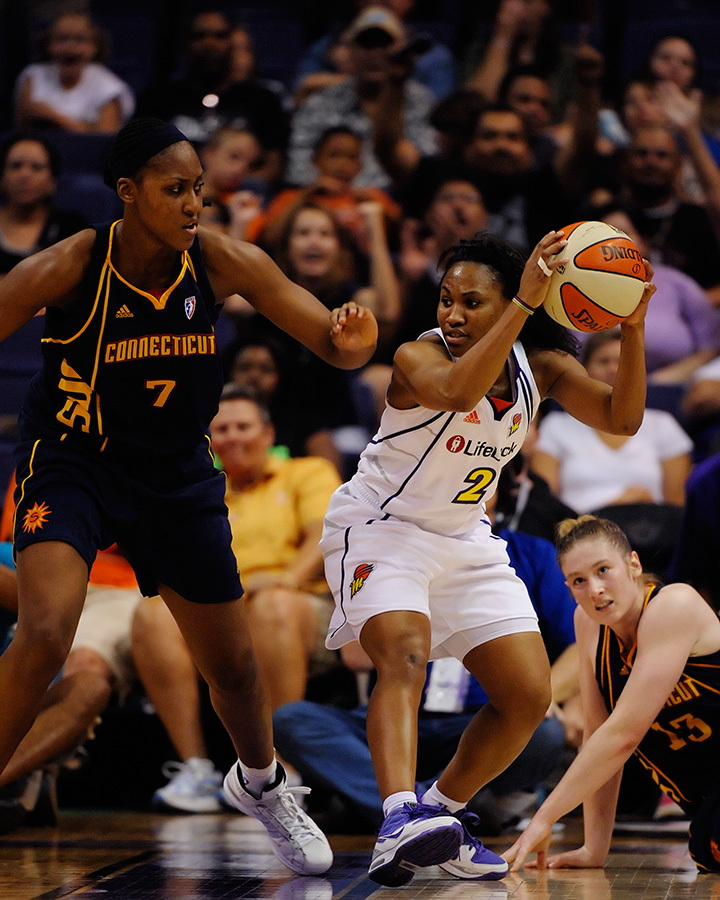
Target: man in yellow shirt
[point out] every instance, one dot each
(276, 507)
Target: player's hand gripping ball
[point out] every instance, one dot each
(602, 282)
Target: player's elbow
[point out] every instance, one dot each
(626, 425)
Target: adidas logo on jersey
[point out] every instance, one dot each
(473, 418)
(124, 313)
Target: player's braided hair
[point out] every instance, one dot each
(135, 144)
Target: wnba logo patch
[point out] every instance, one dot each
(36, 517)
(360, 576)
(189, 306)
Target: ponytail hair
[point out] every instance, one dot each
(571, 531)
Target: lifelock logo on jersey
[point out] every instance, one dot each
(458, 444)
(189, 306)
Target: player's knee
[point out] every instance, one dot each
(88, 662)
(279, 610)
(44, 644)
(239, 676)
(406, 661)
(531, 701)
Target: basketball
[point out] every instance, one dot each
(602, 282)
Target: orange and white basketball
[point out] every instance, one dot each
(602, 282)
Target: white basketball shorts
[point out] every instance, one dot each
(465, 585)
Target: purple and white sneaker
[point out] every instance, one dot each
(413, 836)
(473, 859)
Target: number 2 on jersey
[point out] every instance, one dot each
(479, 481)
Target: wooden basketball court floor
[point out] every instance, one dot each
(143, 856)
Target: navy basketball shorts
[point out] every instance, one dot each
(167, 515)
(704, 843)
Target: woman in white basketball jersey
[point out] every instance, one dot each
(415, 570)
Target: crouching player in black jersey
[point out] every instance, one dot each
(650, 681)
(114, 447)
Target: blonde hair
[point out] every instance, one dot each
(571, 531)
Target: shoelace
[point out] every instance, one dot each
(471, 824)
(172, 769)
(284, 809)
(419, 810)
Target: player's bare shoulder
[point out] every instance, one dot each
(53, 275)
(409, 358)
(412, 353)
(233, 266)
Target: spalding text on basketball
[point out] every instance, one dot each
(611, 251)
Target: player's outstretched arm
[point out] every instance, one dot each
(616, 410)
(667, 634)
(47, 278)
(346, 338)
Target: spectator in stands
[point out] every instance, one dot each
(682, 329)
(302, 425)
(523, 201)
(379, 86)
(455, 212)
(528, 93)
(276, 507)
(229, 158)
(232, 192)
(701, 409)
(589, 469)
(98, 665)
(243, 65)
(696, 560)
(314, 252)
(680, 234)
(673, 58)
(337, 158)
(525, 32)
(326, 61)
(70, 88)
(29, 220)
(703, 395)
(208, 96)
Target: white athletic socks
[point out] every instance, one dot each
(394, 800)
(257, 779)
(433, 797)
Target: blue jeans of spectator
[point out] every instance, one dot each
(329, 747)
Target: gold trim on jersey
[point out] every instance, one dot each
(657, 774)
(158, 304)
(103, 274)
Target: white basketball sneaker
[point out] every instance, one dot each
(295, 838)
(192, 787)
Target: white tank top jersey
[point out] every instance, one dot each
(437, 469)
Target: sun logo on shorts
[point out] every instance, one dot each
(360, 576)
(36, 517)
(714, 850)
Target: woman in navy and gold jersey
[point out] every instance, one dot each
(650, 681)
(114, 446)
